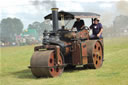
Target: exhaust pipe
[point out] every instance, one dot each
(55, 19)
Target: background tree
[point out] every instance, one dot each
(10, 27)
(120, 22)
(40, 26)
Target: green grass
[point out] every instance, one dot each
(14, 71)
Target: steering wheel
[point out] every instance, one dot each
(86, 28)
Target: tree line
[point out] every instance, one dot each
(11, 27)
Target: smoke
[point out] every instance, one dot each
(120, 23)
(122, 7)
(107, 18)
(44, 4)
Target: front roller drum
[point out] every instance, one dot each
(43, 64)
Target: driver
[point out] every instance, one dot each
(79, 24)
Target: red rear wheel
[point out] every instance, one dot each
(95, 54)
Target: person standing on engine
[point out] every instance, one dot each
(97, 29)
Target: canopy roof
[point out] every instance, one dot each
(73, 15)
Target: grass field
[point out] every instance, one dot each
(14, 71)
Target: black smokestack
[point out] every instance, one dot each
(55, 19)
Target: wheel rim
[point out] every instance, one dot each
(97, 55)
(55, 70)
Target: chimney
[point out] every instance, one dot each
(55, 19)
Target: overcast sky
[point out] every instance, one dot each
(29, 12)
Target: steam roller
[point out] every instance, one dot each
(62, 48)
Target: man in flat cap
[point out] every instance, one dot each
(97, 29)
